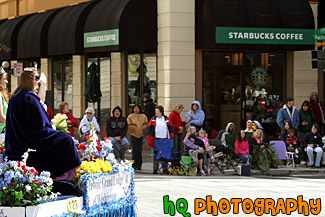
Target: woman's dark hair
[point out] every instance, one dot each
(284, 128)
(139, 106)
(316, 126)
(160, 108)
(306, 103)
(239, 139)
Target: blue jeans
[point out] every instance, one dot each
(155, 162)
(124, 146)
(244, 158)
(319, 155)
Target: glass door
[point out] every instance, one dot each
(241, 86)
(222, 89)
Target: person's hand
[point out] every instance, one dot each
(201, 150)
(294, 142)
(117, 138)
(191, 122)
(262, 146)
(310, 145)
(304, 123)
(186, 122)
(290, 145)
(43, 78)
(191, 115)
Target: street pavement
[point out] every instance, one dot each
(284, 182)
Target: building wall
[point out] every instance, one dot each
(15, 8)
(305, 78)
(176, 53)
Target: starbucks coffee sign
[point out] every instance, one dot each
(101, 38)
(264, 36)
(259, 76)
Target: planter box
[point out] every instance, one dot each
(12, 211)
(43, 210)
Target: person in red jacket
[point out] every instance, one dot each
(71, 121)
(159, 127)
(176, 121)
(318, 108)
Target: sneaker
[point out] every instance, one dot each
(154, 172)
(209, 172)
(166, 172)
(303, 162)
(234, 163)
(202, 173)
(219, 154)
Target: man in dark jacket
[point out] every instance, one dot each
(116, 129)
(318, 108)
(149, 109)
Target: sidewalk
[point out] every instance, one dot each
(281, 171)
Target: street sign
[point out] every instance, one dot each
(18, 69)
(320, 31)
(318, 37)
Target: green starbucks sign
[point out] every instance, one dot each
(236, 35)
(101, 38)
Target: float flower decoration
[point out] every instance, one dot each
(21, 185)
(92, 148)
(59, 122)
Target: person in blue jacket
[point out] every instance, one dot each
(288, 113)
(195, 116)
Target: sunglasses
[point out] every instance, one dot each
(89, 113)
(37, 77)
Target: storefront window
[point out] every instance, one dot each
(240, 86)
(102, 108)
(137, 86)
(62, 81)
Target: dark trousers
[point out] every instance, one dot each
(136, 151)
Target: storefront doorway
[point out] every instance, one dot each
(241, 86)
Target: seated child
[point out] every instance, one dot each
(200, 143)
(292, 142)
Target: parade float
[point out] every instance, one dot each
(107, 186)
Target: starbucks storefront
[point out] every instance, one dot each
(247, 66)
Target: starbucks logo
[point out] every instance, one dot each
(259, 76)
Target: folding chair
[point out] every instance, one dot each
(163, 152)
(231, 156)
(187, 166)
(281, 149)
(220, 167)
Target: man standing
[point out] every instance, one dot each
(317, 107)
(149, 109)
(116, 129)
(288, 113)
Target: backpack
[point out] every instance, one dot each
(219, 135)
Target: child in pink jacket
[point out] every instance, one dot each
(242, 147)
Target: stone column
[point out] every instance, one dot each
(77, 94)
(176, 53)
(45, 69)
(116, 80)
(305, 78)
